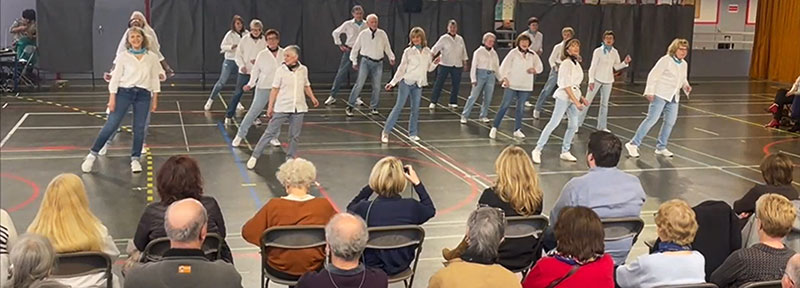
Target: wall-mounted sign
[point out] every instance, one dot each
(733, 8)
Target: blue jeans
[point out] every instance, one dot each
(562, 107)
(274, 128)
(241, 80)
(455, 76)
(228, 67)
(548, 89)
(114, 133)
(602, 115)
(796, 108)
(403, 92)
(508, 97)
(659, 105)
(260, 100)
(486, 85)
(375, 71)
(126, 97)
(341, 74)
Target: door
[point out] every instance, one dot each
(110, 21)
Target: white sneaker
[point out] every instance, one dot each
(275, 142)
(453, 105)
(136, 167)
(240, 107)
(384, 138)
(485, 120)
(330, 100)
(493, 133)
(536, 114)
(432, 106)
(144, 149)
(374, 112)
(207, 107)
(519, 134)
(108, 110)
(236, 141)
(348, 111)
(88, 162)
(633, 150)
(359, 102)
(228, 121)
(528, 104)
(566, 156)
(251, 163)
(463, 120)
(103, 150)
(577, 129)
(257, 122)
(664, 152)
(414, 138)
(536, 156)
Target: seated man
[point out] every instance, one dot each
(346, 237)
(185, 264)
(792, 274)
(608, 191)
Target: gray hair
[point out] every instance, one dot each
(485, 229)
(487, 35)
(373, 15)
(292, 48)
(296, 172)
(350, 245)
(793, 268)
(357, 8)
(191, 230)
(256, 23)
(31, 258)
(452, 22)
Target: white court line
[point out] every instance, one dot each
(646, 169)
(789, 153)
(706, 131)
(13, 129)
(101, 126)
(183, 127)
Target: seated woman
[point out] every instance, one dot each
(782, 98)
(388, 180)
(516, 191)
(32, 259)
(8, 235)
(64, 218)
(579, 260)
(673, 262)
(776, 169)
(177, 179)
(296, 208)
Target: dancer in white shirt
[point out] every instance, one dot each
(605, 61)
(536, 38)
(246, 52)
(370, 46)
(227, 47)
(138, 20)
(454, 60)
(484, 70)
(554, 60)
(411, 75)
(664, 84)
(568, 101)
(517, 72)
(350, 29)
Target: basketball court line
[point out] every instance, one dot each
(183, 127)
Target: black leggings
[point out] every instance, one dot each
(781, 99)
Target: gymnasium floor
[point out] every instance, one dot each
(718, 142)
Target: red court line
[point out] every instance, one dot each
(73, 148)
(769, 145)
(30, 183)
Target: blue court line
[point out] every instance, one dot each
(242, 170)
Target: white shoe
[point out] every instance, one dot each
(236, 141)
(144, 149)
(348, 111)
(275, 142)
(463, 120)
(207, 107)
(414, 138)
(485, 120)
(239, 107)
(664, 152)
(251, 163)
(536, 114)
(432, 106)
(374, 112)
(136, 167)
(493, 133)
(330, 100)
(359, 102)
(453, 105)
(228, 121)
(103, 150)
(384, 138)
(606, 130)
(633, 150)
(108, 110)
(528, 104)
(566, 156)
(577, 129)
(519, 134)
(88, 162)
(536, 156)
(257, 122)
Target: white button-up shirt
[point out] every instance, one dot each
(264, 69)
(796, 86)
(667, 78)
(248, 50)
(291, 94)
(372, 45)
(130, 72)
(485, 60)
(414, 67)
(555, 55)
(604, 64)
(350, 29)
(570, 76)
(453, 50)
(536, 40)
(515, 68)
(231, 38)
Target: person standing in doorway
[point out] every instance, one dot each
(228, 48)
(536, 38)
(484, 70)
(605, 61)
(246, 53)
(554, 61)
(350, 28)
(517, 72)
(371, 45)
(454, 60)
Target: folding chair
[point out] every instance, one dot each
(288, 237)
(76, 264)
(154, 251)
(698, 285)
(763, 284)
(394, 237)
(24, 68)
(622, 228)
(526, 226)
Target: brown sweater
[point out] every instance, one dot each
(283, 212)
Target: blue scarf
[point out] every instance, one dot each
(418, 47)
(359, 23)
(677, 61)
(671, 247)
(137, 52)
(606, 48)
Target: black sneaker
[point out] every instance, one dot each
(374, 112)
(348, 111)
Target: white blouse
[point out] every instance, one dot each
(570, 76)
(795, 87)
(292, 84)
(515, 68)
(485, 60)
(667, 78)
(453, 49)
(231, 38)
(264, 70)
(132, 72)
(248, 50)
(536, 40)
(555, 55)
(372, 45)
(414, 67)
(152, 40)
(350, 29)
(604, 64)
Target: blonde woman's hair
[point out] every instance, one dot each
(417, 32)
(776, 214)
(677, 43)
(257, 23)
(297, 172)
(570, 42)
(387, 178)
(568, 29)
(676, 222)
(65, 219)
(488, 35)
(134, 29)
(517, 182)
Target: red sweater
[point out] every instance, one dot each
(598, 274)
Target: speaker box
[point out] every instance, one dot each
(413, 6)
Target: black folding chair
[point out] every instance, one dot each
(154, 251)
(77, 264)
(288, 237)
(523, 227)
(622, 228)
(698, 285)
(763, 284)
(24, 68)
(394, 237)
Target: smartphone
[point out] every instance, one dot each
(405, 170)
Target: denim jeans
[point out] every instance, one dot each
(274, 128)
(508, 97)
(441, 76)
(146, 126)
(375, 71)
(241, 80)
(548, 89)
(486, 85)
(126, 97)
(341, 74)
(228, 67)
(403, 92)
(659, 105)
(260, 100)
(562, 107)
(602, 115)
(796, 108)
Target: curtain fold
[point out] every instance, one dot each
(775, 54)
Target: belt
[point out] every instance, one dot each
(370, 59)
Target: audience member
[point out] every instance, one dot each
(766, 260)
(32, 259)
(185, 263)
(607, 190)
(177, 179)
(346, 237)
(673, 262)
(792, 273)
(296, 208)
(24, 27)
(65, 219)
(517, 192)
(388, 180)
(8, 235)
(776, 169)
(579, 260)
(476, 268)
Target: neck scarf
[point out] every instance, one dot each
(451, 35)
(255, 38)
(524, 51)
(359, 23)
(139, 51)
(671, 247)
(487, 48)
(567, 259)
(292, 67)
(418, 47)
(273, 51)
(574, 59)
(373, 32)
(606, 48)
(677, 61)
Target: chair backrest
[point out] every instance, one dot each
(622, 228)
(763, 284)
(698, 285)
(155, 249)
(289, 237)
(83, 263)
(525, 226)
(399, 236)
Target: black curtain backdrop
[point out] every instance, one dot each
(179, 26)
(217, 17)
(65, 47)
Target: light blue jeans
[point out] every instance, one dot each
(341, 73)
(241, 80)
(508, 96)
(403, 92)
(485, 84)
(602, 115)
(274, 128)
(228, 67)
(562, 107)
(137, 98)
(260, 100)
(548, 89)
(657, 107)
(375, 71)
